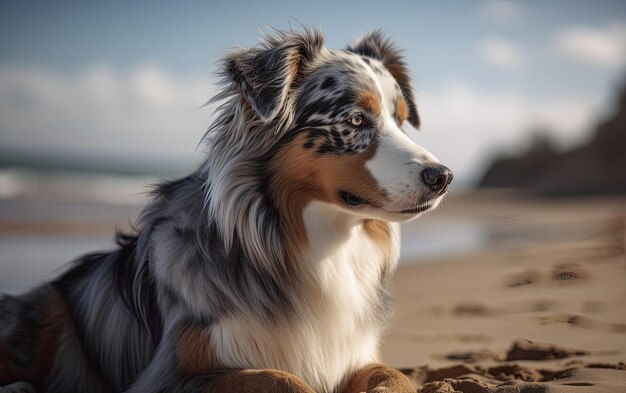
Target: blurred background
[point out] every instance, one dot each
(522, 100)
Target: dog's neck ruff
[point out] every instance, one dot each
(341, 306)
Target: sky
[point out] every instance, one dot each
(125, 81)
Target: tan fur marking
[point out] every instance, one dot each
(193, 351)
(378, 375)
(50, 330)
(301, 175)
(402, 110)
(380, 233)
(370, 101)
(294, 66)
(358, 383)
(259, 381)
(9, 372)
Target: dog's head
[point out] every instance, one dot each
(337, 117)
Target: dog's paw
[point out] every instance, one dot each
(259, 381)
(395, 388)
(396, 383)
(18, 387)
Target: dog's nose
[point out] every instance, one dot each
(437, 177)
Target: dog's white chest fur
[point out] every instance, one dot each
(338, 330)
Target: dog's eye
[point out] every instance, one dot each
(356, 120)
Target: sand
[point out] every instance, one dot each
(545, 315)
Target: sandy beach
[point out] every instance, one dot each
(545, 313)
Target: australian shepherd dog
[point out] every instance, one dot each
(268, 268)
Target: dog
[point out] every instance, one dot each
(268, 268)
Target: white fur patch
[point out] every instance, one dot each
(398, 162)
(336, 332)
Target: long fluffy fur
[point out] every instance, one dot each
(216, 254)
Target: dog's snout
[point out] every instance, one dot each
(437, 177)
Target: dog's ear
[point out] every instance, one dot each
(377, 46)
(264, 75)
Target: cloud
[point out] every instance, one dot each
(146, 112)
(501, 11)
(464, 125)
(599, 46)
(501, 53)
(151, 113)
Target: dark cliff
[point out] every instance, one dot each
(598, 167)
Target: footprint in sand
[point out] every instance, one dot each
(561, 273)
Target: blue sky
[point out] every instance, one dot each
(123, 79)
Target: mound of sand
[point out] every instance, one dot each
(515, 378)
